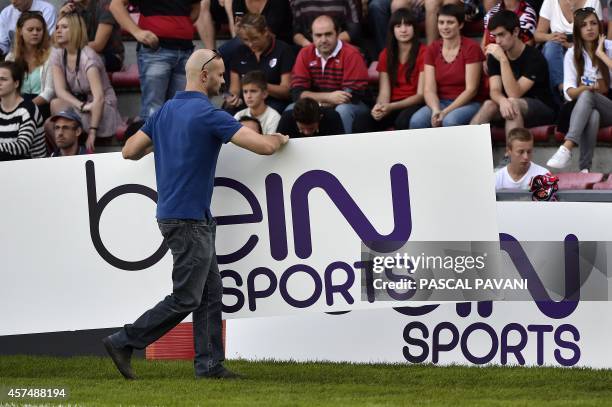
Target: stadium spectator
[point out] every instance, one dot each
(520, 171)
(332, 72)
(31, 51)
(308, 119)
(10, 15)
(555, 27)
(254, 90)
(586, 80)
(345, 13)
(252, 123)
(276, 12)
(81, 81)
(277, 16)
(527, 17)
(518, 78)
(103, 31)
(263, 52)
(21, 125)
(164, 33)
(67, 132)
(401, 78)
(453, 67)
(428, 10)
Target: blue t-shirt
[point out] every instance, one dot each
(187, 133)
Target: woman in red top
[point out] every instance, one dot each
(401, 81)
(452, 75)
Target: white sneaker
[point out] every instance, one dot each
(585, 171)
(560, 159)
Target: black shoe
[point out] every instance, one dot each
(122, 358)
(221, 373)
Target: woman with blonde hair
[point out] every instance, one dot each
(32, 48)
(81, 81)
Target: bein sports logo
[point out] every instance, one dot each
(324, 287)
(416, 333)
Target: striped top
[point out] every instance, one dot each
(21, 133)
(342, 71)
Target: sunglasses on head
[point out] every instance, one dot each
(584, 10)
(215, 55)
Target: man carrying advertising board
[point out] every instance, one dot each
(186, 135)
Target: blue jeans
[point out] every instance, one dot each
(554, 53)
(162, 74)
(379, 12)
(348, 111)
(460, 116)
(196, 287)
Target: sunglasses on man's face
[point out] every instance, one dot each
(215, 55)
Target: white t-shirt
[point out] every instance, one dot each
(269, 118)
(591, 73)
(503, 180)
(551, 10)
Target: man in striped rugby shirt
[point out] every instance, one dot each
(332, 72)
(21, 124)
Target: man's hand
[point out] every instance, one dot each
(559, 37)
(507, 110)
(147, 38)
(497, 52)
(339, 97)
(233, 100)
(284, 139)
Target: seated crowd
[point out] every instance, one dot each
(300, 67)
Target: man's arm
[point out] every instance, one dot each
(119, 10)
(137, 146)
(260, 144)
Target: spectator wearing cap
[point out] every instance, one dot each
(261, 51)
(332, 72)
(308, 119)
(67, 131)
(21, 125)
(165, 41)
(103, 31)
(10, 15)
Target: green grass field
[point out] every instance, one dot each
(94, 381)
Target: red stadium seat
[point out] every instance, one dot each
(578, 180)
(540, 133)
(607, 184)
(604, 135)
(127, 78)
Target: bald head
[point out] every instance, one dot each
(204, 70)
(193, 67)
